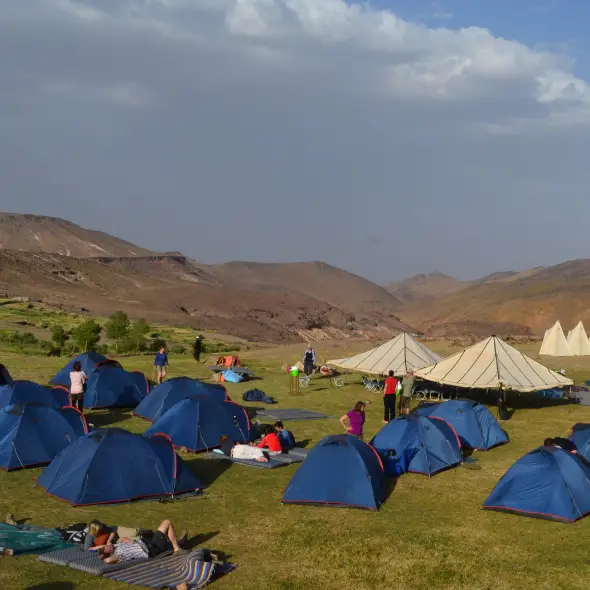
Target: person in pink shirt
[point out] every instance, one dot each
(354, 420)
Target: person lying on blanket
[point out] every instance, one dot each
(238, 451)
(125, 550)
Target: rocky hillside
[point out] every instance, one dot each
(59, 262)
(35, 233)
(425, 287)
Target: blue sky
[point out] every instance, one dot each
(561, 25)
(286, 130)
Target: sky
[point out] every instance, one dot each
(389, 137)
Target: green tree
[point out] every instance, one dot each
(59, 336)
(87, 335)
(140, 328)
(117, 326)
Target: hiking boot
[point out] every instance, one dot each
(10, 520)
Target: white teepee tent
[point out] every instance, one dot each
(578, 340)
(554, 342)
(492, 364)
(399, 355)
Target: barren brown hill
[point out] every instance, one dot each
(35, 233)
(533, 298)
(319, 280)
(425, 286)
(174, 290)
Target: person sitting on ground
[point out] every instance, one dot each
(164, 539)
(270, 441)
(561, 443)
(99, 534)
(239, 451)
(285, 436)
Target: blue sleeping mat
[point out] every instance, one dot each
(89, 561)
(273, 462)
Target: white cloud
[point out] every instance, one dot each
(345, 112)
(402, 59)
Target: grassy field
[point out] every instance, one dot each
(431, 533)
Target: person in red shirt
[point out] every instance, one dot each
(270, 441)
(389, 398)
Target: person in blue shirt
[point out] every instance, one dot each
(286, 437)
(161, 364)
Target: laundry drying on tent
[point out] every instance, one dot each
(35, 434)
(493, 364)
(165, 395)
(555, 343)
(198, 423)
(578, 342)
(402, 354)
(5, 378)
(580, 436)
(110, 386)
(473, 422)
(548, 482)
(417, 444)
(28, 392)
(88, 360)
(113, 465)
(339, 471)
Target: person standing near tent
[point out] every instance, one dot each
(389, 397)
(354, 420)
(406, 396)
(198, 348)
(309, 360)
(161, 364)
(78, 386)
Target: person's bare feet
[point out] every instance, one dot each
(183, 586)
(10, 520)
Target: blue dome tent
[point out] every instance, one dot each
(580, 436)
(546, 483)
(89, 362)
(110, 386)
(339, 471)
(34, 434)
(113, 465)
(165, 395)
(198, 423)
(26, 392)
(417, 444)
(473, 422)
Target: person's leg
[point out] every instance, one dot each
(167, 528)
(385, 408)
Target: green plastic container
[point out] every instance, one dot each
(295, 371)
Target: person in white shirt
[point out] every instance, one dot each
(77, 386)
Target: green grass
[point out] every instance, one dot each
(430, 532)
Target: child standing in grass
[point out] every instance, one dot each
(78, 386)
(354, 420)
(161, 364)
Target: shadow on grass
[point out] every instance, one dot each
(302, 444)
(102, 418)
(208, 470)
(390, 484)
(52, 586)
(200, 539)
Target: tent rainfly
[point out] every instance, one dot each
(399, 355)
(578, 340)
(492, 364)
(554, 342)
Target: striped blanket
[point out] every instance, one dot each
(168, 572)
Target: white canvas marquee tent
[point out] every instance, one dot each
(554, 342)
(399, 355)
(492, 364)
(578, 342)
